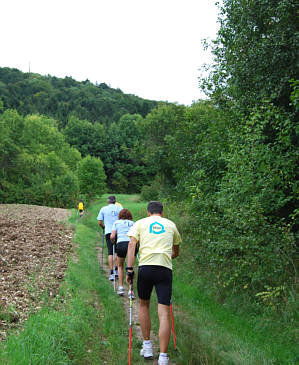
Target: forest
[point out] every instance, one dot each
(226, 166)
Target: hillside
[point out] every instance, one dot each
(94, 120)
(31, 93)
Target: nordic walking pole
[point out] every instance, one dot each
(114, 267)
(103, 237)
(171, 311)
(130, 322)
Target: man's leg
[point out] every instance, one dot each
(164, 329)
(145, 319)
(164, 289)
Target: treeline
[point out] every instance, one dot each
(42, 164)
(58, 98)
(232, 160)
(118, 145)
(37, 165)
(43, 115)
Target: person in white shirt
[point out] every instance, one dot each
(119, 232)
(106, 217)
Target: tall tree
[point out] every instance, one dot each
(256, 52)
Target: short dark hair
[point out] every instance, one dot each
(111, 199)
(155, 207)
(125, 214)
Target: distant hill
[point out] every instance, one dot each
(31, 93)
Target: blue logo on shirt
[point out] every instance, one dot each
(156, 228)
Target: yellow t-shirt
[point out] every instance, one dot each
(80, 206)
(156, 235)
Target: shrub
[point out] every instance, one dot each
(91, 176)
(148, 193)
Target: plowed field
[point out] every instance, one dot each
(34, 247)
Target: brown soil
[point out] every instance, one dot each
(34, 246)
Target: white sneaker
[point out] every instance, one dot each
(121, 290)
(147, 352)
(111, 277)
(163, 360)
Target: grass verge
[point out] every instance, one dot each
(229, 332)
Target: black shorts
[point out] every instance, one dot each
(109, 244)
(158, 276)
(122, 249)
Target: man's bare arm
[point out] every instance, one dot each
(131, 259)
(131, 251)
(175, 251)
(101, 224)
(113, 236)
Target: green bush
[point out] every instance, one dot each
(148, 193)
(91, 176)
(155, 191)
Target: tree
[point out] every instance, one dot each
(158, 125)
(91, 176)
(256, 52)
(196, 148)
(36, 163)
(40, 134)
(79, 134)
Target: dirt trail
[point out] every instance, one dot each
(135, 320)
(34, 247)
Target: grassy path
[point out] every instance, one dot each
(88, 322)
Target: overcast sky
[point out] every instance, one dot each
(150, 48)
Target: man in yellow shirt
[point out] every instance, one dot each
(159, 243)
(118, 205)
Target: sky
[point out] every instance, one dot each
(149, 48)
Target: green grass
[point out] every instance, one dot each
(88, 325)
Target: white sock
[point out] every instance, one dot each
(163, 354)
(147, 342)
